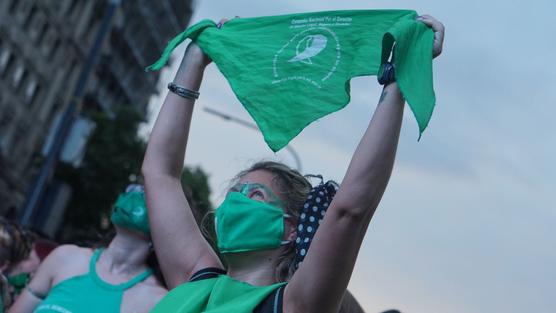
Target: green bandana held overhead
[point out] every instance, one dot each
(291, 70)
(130, 211)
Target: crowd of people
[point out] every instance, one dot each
(120, 276)
(264, 254)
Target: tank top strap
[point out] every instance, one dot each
(93, 262)
(137, 279)
(123, 286)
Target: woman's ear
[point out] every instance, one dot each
(290, 230)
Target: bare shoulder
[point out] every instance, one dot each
(66, 254)
(71, 250)
(62, 263)
(67, 261)
(143, 296)
(153, 287)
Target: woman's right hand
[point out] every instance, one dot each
(196, 55)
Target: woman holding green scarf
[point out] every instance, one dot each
(114, 279)
(257, 224)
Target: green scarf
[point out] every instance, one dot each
(216, 295)
(291, 70)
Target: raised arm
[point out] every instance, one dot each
(179, 244)
(330, 261)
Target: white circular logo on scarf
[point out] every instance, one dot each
(312, 55)
(308, 47)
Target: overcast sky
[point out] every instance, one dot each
(468, 221)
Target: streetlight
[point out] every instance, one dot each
(37, 191)
(247, 124)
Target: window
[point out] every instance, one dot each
(37, 26)
(21, 130)
(32, 15)
(18, 75)
(75, 69)
(13, 6)
(70, 6)
(55, 48)
(50, 113)
(6, 116)
(76, 10)
(6, 60)
(23, 10)
(55, 6)
(42, 32)
(49, 42)
(31, 91)
(55, 108)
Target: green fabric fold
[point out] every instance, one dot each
(290, 70)
(214, 295)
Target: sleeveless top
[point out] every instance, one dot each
(87, 293)
(211, 291)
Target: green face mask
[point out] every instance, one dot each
(244, 224)
(19, 281)
(130, 211)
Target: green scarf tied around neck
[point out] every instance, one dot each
(291, 70)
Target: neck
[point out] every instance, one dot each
(257, 268)
(126, 253)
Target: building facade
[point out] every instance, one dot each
(43, 46)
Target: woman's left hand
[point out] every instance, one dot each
(438, 29)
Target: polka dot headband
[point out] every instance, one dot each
(312, 213)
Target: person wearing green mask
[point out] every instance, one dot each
(257, 223)
(18, 261)
(112, 279)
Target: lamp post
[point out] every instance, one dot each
(38, 189)
(247, 124)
